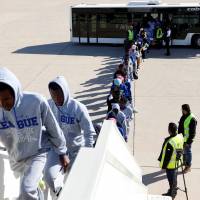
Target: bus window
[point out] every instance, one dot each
(113, 25)
(154, 15)
(138, 18)
(103, 22)
(92, 25)
(83, 25)
(75, 24)
(194, 22)
(184, 24)
(105, 28)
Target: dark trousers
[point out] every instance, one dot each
(127, 44)
(159, 43)
(143, 52)
(187, 156)
(167, 41)
(172, 179)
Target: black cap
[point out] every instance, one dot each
(186, 107)
(172, 128)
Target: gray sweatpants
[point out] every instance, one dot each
(53, 169)
(31, 176)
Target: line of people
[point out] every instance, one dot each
(120, 100)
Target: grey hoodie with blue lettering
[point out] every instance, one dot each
(74, 119)
(22, 128)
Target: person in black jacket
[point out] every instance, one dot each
(187, 126)
(113, 97)
(167, 40)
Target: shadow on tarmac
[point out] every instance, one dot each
(97, 88)
(176, 53)
(153, 177)
(73, 49)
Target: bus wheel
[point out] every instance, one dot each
(196, 41)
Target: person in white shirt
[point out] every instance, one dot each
(167, 40)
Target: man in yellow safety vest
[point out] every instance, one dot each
(159, 36)
(130, 36)
(187, 126)
(168, 158)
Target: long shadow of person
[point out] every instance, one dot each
(154, 177)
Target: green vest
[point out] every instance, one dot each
(186, 127)
(159, 33)
(177, 143)
(130, 35)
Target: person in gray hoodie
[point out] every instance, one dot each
(74, 120)
(27, 124)
(120, 119)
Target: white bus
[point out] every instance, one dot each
(107, 23)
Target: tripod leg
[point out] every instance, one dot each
(184, 180)
(174, 185)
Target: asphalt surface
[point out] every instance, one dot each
(34, 44)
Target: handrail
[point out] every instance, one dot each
(9, 186)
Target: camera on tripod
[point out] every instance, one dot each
(179, 153)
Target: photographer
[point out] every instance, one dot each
(168, 158)
(168, 40)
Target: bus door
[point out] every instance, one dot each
(87, 31)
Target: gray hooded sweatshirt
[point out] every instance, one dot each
(22, 128)
(120, 117)
(73, 119)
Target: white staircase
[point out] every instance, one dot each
(106, 172)
(9, 185)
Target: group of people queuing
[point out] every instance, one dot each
(176, 149)
(42, 137)
(152, 32)
(120, 100)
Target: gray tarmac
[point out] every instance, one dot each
(34, 44)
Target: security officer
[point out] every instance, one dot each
(130, 36)
(168, 158)
(187, 126)
(159, 36)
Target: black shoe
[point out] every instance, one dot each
(168, 193)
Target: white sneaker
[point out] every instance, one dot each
(135, 111)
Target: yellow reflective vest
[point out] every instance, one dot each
(130, 35)
(159, 33)
(186, 127)
(177, 144)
